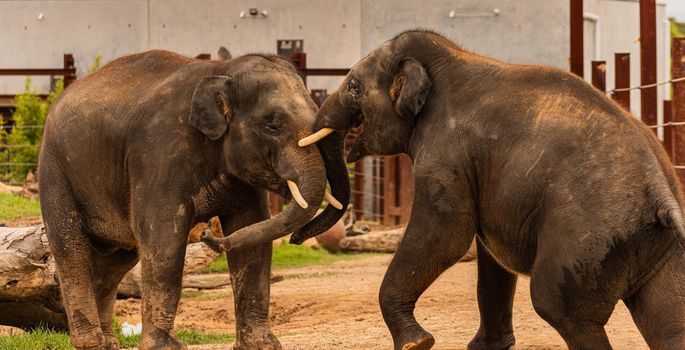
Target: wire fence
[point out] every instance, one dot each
(13, 164)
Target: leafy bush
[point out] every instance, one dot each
(25, 136)
(677, 29)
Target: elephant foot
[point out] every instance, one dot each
(111, 342)
(423, 344)
(263, 340)
(89, 341)
(160, 340)
(415, 339)
(504, 341)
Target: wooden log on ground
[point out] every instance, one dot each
(386, 241)
(29, 289)
(29, 293)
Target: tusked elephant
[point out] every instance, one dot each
(557, 182)
(148, 145)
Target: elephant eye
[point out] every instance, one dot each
(273, 127)
(354, 87)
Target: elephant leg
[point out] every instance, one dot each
(250, 270)
(567, 296)
(108, 271)
(162, 239)
(658, 307)
(440, 232)
(72, 250)
(496, 288)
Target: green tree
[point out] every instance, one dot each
(677, 29)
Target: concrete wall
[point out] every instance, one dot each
(337, 33)
(525, 31)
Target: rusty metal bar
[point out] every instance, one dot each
(325, 71)
(68, 71)
(34, 71)
(359, 183)
(275, 203)
(70, 67)
(622, 80)
(405, 188)
(389, 190)
(599, 75)
(668, 129)
(678, 104)
(577, 54)
(648, 96)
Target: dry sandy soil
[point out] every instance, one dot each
(335, 307)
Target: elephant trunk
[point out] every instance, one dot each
(332, 151)
(306, 170)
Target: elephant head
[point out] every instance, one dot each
(385, 93)
(258, 108)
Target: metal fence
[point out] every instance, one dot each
(8, 164)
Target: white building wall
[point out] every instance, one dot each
(337, 33)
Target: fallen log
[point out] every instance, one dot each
(29, 291)
(386, 241)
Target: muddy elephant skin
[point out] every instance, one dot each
(136, 153)
(554, 178)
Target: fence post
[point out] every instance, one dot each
(599, 75)
(668, 130)
(389, 190)
(678, 104)
(275, 203)
(648, 96)
(359, 190)
(406, 188)
(622, 80)
(70, 68)
(577, 22)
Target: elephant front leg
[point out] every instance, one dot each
(496, 288)
(440, 231)
(250, 271)
(162, 243)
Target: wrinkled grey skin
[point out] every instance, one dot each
(556, 180)
(136, 153)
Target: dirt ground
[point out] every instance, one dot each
(335, 307)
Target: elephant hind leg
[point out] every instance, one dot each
(496, 288)
(658, 307)
(577, 312)
(72, 251)
(108, 271)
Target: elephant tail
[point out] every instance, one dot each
(670, 215)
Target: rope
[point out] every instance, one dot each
(666, 124)
(649, 86)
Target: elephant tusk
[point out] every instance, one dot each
(328, 197)
(297, 196)
(315, 137)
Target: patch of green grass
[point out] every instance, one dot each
(287, 255)
(50, 340)
(218, 265)
(200, 295)
(12, 206)
(195, 338)
(36, 339)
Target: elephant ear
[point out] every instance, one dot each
(410, 88)
(210, 110)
